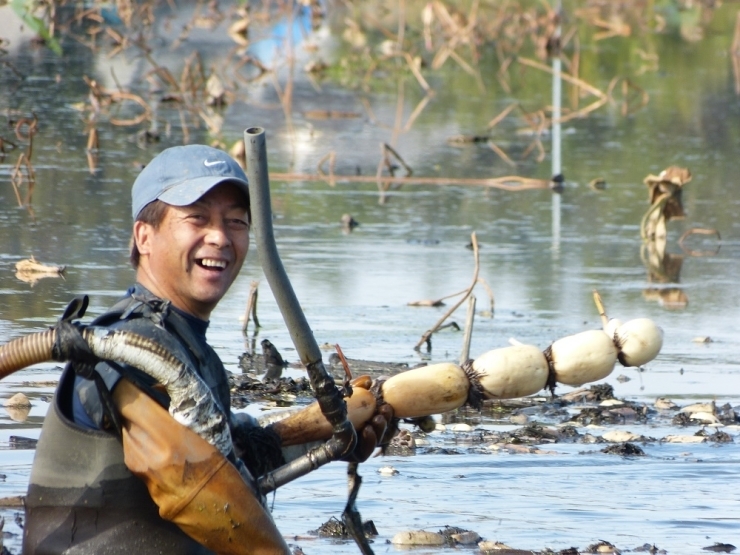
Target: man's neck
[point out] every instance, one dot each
(144, 279)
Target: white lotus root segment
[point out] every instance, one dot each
(511, 372)
(610, 328)
(639, 341)
(427, 390)
(584, 357)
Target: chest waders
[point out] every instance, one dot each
(81, 497)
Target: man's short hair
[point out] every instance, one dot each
(152, 214)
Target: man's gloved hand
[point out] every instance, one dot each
(257, 447)
(377, 432)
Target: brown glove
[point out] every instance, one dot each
(191, 482)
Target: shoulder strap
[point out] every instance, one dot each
(140, 303)
(146, 305)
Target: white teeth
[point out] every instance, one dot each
(209, 262)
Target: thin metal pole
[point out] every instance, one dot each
(557, 94)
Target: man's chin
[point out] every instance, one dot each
(211, 295)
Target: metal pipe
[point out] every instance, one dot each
(328, 395)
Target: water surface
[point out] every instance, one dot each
(542, 259)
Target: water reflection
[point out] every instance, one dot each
(663, 267)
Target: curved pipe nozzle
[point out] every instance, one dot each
(328, 395)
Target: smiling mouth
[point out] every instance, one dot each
(211, 264)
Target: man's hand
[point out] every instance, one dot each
(375, 425)
(377, 432)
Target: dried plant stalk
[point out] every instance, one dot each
(251, 310)
(426, 337)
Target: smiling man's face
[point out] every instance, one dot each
(195, 254)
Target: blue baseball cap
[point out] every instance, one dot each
(180, 175)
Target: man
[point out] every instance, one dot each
(157, 487)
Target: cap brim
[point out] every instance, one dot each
(189, 191)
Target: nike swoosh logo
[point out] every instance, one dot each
(209, 164)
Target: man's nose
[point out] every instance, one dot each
(218, 233)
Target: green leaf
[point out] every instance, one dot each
(24, 9)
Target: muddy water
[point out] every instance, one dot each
(541, 258)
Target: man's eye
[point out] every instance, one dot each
(238, 223)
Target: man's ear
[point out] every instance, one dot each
(142, 236)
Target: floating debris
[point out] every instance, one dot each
(592, 394)
(348, 223)
(13, 501)
(699, 231)
(216, 94)
(648, 548)
(19, 400)
(700, 407)
(661, 403)
(239, 30)
(684, 439)
(459, 536)
(621, 436)
(626, 450)
(418, 537)
(598, 416)
(720, 548)
(668, 182)
(402, 444)
(20, 442)
(727, 414)
(519, 419)
(665, 201)
(717, 437)
(682, 419)
(388, 471)
(597, 184)
(498, 548)
(602, 547)
(335, 528)
(467, 139)
(31, 271)
(707, 418)
(272, 360)
(18, 407)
